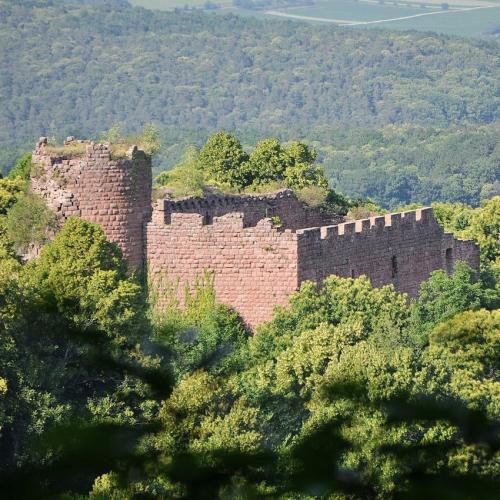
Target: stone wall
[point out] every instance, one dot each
(402, 249)
(115, 193)
(293, 213)
(255, 268)
(258, 267)
(257, 262)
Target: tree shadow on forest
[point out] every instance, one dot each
(310, 466)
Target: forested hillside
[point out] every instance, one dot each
(78, 68)
(410, 164)
(349, 391)
(92, 66)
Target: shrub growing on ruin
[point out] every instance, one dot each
(314, 196)
(113, 135)
(222, 158)
(224, 164)
(186, 178)
(22, 168)
(148, 140)
(29, 222)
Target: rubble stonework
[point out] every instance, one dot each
(259, 248)
(292, 213)
(115, 193)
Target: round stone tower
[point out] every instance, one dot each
(92, 182)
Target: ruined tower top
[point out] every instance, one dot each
(110, 185)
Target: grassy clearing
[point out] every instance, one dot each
(172, 4)
(471, 23)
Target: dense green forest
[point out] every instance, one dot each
(77, 68)
(348, 392)
(410, 164)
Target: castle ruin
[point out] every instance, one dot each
(115, 193)
(260, 248)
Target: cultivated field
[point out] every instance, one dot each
(474, 18)
(172, 4)
(461, 17)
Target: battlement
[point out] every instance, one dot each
(373, 224)
(283, 205)
(398, 248)
(259, 247)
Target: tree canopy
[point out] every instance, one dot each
(348, 390)
(396, 117)
(223, 164)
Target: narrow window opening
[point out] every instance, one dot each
(449, 260)
(352, 273)
(208, 219)
(394, 266)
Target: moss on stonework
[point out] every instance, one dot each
(72, 149)
(117, 151)
(38, 171)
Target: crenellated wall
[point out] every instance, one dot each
(259, 266)
(116, 193)
(284, 204)
(258, 260)
(255, 268)
(401, 248)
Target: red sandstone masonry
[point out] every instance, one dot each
(256, 265)
(260, 266)
(115, 193)
(402, 249)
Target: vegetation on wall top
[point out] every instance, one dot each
(222, 164)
